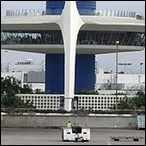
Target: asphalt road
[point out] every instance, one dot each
(40, 136)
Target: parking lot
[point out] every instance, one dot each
(47, 136)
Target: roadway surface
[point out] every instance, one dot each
(46, 136)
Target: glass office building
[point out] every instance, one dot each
(126, 28)
(85, 64)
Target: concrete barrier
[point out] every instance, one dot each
(96, 121)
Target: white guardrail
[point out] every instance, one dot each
(111, 13)
(55, 101)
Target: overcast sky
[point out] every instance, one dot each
(107, 62)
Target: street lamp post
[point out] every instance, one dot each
(141, 68)
(117, 42)
(140, 74)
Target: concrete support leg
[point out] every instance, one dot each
(70, 23)
(68, 103)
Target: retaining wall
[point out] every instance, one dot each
(60, 121)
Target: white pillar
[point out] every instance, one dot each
(70, 23)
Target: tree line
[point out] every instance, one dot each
(11, 86)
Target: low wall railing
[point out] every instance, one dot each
(88, 102)
(109, 13)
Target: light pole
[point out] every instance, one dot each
(117, 42)
(140, 74)
(141, 68)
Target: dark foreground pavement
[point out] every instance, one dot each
(46, 136)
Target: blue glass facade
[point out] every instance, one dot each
(84, 7)
(54, 75)
(54, 7)
(84, 74)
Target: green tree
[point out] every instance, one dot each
(38, 91)
(9, 88)
(88, 92)
(140, 99)
(26, 89)
(135, 103)
(127, 103)
(10, 85)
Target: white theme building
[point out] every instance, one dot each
(70, 39)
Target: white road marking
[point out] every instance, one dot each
(108, 143)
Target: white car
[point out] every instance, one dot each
(76, 133)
